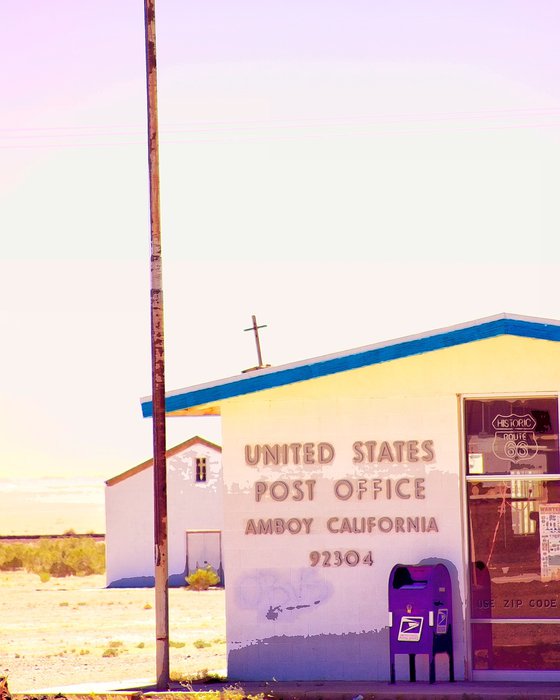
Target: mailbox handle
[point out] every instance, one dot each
(431, 618)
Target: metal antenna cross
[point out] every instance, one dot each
(255, 329)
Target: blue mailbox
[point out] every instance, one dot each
(420, 615)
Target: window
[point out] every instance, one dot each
(517, 436)
(514, 540)
(513, 499)
(515, 573)
(201, 468)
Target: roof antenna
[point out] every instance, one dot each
(255, 329)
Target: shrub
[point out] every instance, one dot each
(188, 678)
(11, 557)
(236, 692)
(84, 556)
(60, 569)
(71, 556)
(215, 677)
(201, 643)
(202, 579)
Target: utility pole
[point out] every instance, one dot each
(158, 362)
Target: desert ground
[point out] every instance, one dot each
(73, 630)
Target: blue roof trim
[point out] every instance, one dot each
(361, 358)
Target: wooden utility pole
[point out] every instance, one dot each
(158, 362)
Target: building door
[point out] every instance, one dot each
(204, 548)
(513, 503)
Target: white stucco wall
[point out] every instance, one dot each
(191, 506)
(129, 538)
(289, 620)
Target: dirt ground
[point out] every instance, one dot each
(73, 630)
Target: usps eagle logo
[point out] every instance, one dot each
(514, 438)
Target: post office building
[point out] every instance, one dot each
(440, 448)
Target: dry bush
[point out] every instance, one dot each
(69, 556)
(201, 643)
(202, 579)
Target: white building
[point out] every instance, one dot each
(438, 448)
(195, 517)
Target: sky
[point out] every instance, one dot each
(350, 171)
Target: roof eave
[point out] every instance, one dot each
(501, 324)
(171, 452)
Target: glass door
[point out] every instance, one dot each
(513, 499)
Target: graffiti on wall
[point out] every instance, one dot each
(281, 595)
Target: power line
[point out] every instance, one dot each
(177, 133)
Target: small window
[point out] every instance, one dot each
(201, 468)
(517, 436)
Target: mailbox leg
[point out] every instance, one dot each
(392, 681)
(432, 668)
(449, 644)
(412, 666)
